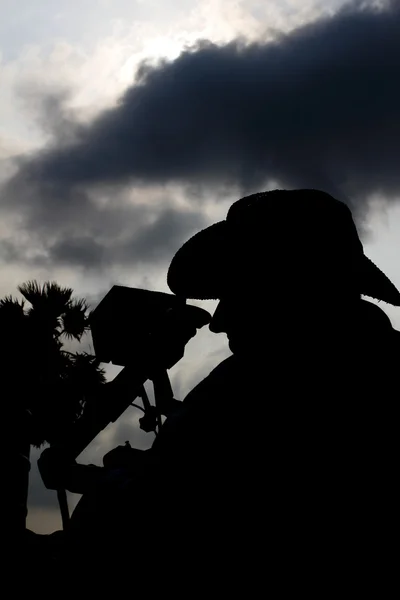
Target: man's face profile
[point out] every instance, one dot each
(242, 317)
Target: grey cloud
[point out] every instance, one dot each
(10, 252)
(89, 237)
(318, 107)
(129, 430)
(39, 496)
(77, 251)
(163, 236)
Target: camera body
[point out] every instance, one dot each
(125, 318)
(129, 328)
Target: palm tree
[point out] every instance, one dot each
(47, 385)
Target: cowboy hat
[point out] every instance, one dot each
(293, 219)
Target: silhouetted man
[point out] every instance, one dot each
(280, 464)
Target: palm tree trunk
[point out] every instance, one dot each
(19, 474)
(63, 503)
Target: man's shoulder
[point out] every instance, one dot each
(226, 373)
(203, 405)
(377, 332)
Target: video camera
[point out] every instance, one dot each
(145, 332)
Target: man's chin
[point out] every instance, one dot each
(234, 346)
(245, 347)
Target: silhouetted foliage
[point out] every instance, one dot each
(52, 382)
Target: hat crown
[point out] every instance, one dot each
(296, 216)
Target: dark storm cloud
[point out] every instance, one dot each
(318, 107)
(148, 244)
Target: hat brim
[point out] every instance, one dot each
(196, 271)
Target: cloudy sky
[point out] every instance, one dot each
(127, 126)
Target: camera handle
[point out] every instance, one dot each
(165, 404)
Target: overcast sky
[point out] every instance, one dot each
(127, 126)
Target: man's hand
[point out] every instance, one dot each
(54, 465)
(59, 471)
(123, 456)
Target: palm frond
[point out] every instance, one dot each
(85, 369)
(30, 290)
(12, 326)
(56, 293)
(74, 320)
(10, 306)
(50, 295)
(54, 384)
(71, 395)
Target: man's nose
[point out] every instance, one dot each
(218, 321)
